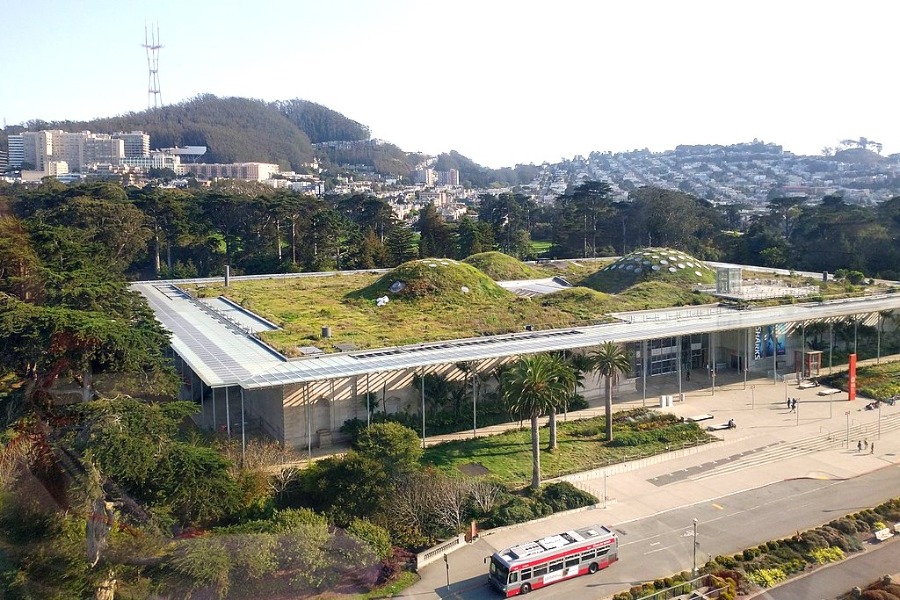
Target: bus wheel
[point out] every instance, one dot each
(593, 568)
(526, 587)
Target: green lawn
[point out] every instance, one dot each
(876, 381)
(582, 446)
(540, 247)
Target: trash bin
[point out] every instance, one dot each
(324, 438)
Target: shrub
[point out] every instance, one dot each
(563, 495)
(767, 577)
(378, 538)
(845, 526)
(725, 561)
(823, 556)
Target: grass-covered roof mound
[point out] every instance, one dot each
(650, 264)
(434, 278)
(503, 267)
(582, 303)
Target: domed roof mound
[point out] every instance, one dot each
(444, 278)
(503, 267)
(650, 264)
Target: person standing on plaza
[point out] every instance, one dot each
(859, 446)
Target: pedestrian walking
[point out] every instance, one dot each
(687, 376)
(859, 446)
(793, 404)
(866, 444)
(789, 402)
(872, 450)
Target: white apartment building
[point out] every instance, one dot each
(157, 159)
(38, 148)
(248, 171)
(79, 151)
(137, 143)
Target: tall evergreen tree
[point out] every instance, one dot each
(434, 235)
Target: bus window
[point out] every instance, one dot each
(526, 574)
(540, 571)
(602, 552)
(514, 577)
(556, 565)
(588, 555)
(572, 561)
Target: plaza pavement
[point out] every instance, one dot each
(771, 443)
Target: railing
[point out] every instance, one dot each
(686, 588)
(435, 553)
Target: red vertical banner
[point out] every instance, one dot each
(851, 371)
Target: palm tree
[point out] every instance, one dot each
(530, 387)
(578, 364)
(610, 360)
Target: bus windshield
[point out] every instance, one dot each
(499, 571)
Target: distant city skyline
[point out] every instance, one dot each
(501, 82)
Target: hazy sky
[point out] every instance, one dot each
(501, 82)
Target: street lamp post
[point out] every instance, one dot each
(694, 571)
(848, 428)
(879, 420)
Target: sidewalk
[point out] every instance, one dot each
(818, 440)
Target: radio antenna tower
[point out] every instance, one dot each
(152, 45)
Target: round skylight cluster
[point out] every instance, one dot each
(650, 260)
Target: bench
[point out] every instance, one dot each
(698, 418)
(719, 427)
(829, 392)
(883, 534)
(807, 384)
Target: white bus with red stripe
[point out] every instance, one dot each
(532, 565)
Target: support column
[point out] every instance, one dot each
(215, 423)
(308, 423)
(775, 354)
(331, 420)
(202, 405)
(679, 361)
(422, 382)
(644, 372)
(227, 414)
(830, 344)
(243, 430)
(745, 364)
(369, 399)
(803, 351)
(878, 345)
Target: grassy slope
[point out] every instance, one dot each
(503, 267)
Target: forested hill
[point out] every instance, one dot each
(232, 129)
(282, 132)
